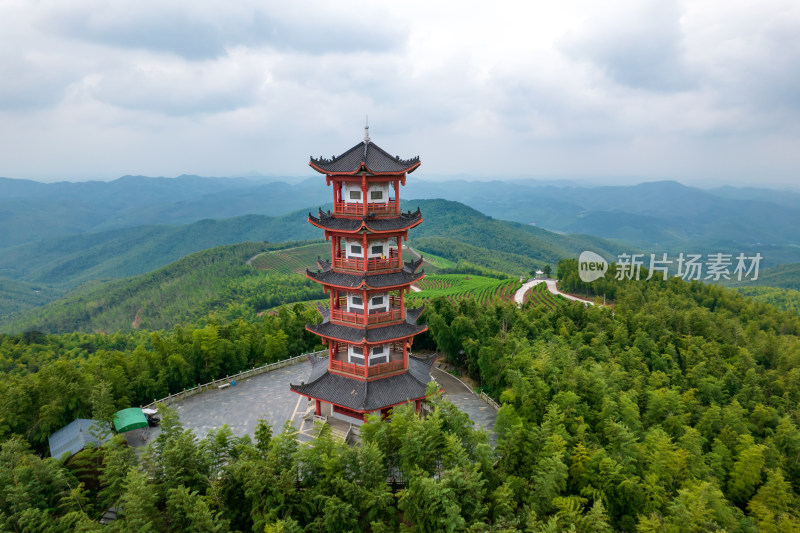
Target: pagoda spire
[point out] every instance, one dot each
(366, 131)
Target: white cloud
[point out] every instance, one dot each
(654, 89)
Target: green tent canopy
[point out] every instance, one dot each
(129, 419)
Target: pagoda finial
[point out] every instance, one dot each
(366, 131)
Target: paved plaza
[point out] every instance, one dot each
(267, 396)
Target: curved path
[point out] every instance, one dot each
(519, 296)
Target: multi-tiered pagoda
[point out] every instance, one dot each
(366, 326)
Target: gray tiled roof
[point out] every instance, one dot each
(373, 335)
(399, 222)
(374, 281)
(375, 158)
(412, 266)
(323, 264)
(328, 221)
(324, 311)
(412, 314)
(366, 395)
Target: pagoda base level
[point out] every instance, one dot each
(348, 416)
(352, 397)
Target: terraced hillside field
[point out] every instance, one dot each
(292, 260)
(457, 287)
(539, 295)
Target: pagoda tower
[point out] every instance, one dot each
(366, 326)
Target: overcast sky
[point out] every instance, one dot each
(702, 91)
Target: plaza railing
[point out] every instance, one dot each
(227, 380)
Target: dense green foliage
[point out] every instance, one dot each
(676, 411)
(216, 280)
(786, 299)
(47, 378)
(16, 296)
(270, 483)
(569, 281)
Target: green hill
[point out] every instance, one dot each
(233, 281)
(785, 299)
(783, 276)
(521, 247)
(67, 262)
(16, 296)
(215, 280)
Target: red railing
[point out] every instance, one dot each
(394, 301)
(385, 368)
(376, 263)
(374, 318)
(357, 208)
(358, 370)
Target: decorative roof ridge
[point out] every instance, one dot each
(412, 314)
(333, 158)
(323, 264)
(324, 311)
(409, 161)
(412, 266)
(321, 160)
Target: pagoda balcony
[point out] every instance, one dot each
(359, 264)
(357, 319)
(340, 364)
(357, 208)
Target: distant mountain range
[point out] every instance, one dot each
(59, 263)
(664, 213)
(31, 211)
(55, 237)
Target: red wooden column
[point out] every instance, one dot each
(364, 193)
(396, 195)
(405, 354)
(366, 307)
(400, 250)
(365, 351)
(365, 251)
(319, 408)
